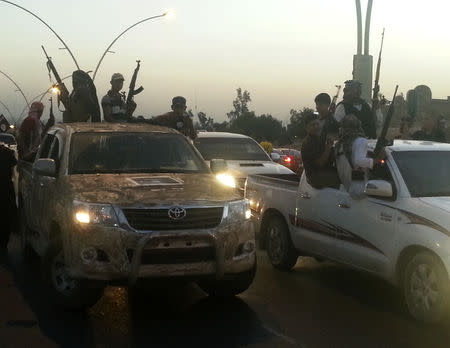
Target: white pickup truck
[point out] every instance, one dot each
(400, 231)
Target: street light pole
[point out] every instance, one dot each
(118, 36)
(359, 26)
(367, 30)
(17, 86)
(48, 26)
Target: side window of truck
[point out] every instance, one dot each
(46, 145)
(54, 152)
(381, 171)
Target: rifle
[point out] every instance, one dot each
(131, 91)
(376, 87)
(335, 98)
(382, 141)
(63, 95)
(51, 108)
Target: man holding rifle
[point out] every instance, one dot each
(352, 104)
(32, 131)
(353, 162)
(113, 103)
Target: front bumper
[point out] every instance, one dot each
(102, 253)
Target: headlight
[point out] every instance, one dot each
(226, 179)
(237, 211)
(98, 214)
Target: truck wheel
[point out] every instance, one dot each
(230, 286)
(280, 250)
(65, 291)
(426, 287)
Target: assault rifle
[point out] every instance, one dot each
(382, 141)
(332, 107)
(376, 87)
(63, 95)
(131, 91)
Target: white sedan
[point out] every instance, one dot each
(243, 156)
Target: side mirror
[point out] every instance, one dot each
(275, 156)
(218, 165)
(45, 167)
(378, 188)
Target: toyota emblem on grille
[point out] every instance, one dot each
(177, 213)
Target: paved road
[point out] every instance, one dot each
(315, 305)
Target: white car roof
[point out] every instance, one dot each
(414, 145)
(221, 135)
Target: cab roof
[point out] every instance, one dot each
(413, 145)
(87, 127)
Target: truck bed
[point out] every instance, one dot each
(272, 195)
(287, 181)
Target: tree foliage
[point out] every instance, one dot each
(265, 127)
(296, 128)
(240, 105)
(206, 123)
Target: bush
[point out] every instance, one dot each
(268, 147)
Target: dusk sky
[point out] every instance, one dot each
(283, 52)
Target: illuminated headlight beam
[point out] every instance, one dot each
(227, 180)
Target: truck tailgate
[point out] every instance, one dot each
(271, 193)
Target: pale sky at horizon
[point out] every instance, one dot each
(283, 52)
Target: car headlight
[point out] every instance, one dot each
(237, 211)
(97, 214)
(226, 179)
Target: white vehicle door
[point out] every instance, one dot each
(309, 232)
(365, 228)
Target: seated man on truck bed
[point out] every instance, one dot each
(318, 156)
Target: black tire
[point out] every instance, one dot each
(64, 291)
(426, 287)
(232, 285)
(280, 250)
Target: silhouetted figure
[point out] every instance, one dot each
(7, 195)
(177, 119)
(114, 104)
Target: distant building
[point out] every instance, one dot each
(420, 103)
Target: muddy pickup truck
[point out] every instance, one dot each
(107, 203)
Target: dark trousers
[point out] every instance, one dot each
(325, 178)
(8, 213)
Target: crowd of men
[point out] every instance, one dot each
(336, 149)
(334, 152)
(115, 109)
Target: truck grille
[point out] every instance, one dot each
(174, 256)
(158, 219)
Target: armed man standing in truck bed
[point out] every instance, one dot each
(353, 104)
(177, 118)
(113, 103)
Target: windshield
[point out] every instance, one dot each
(426, 173)
(8, 139)
(232, 149)
(133, 153)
